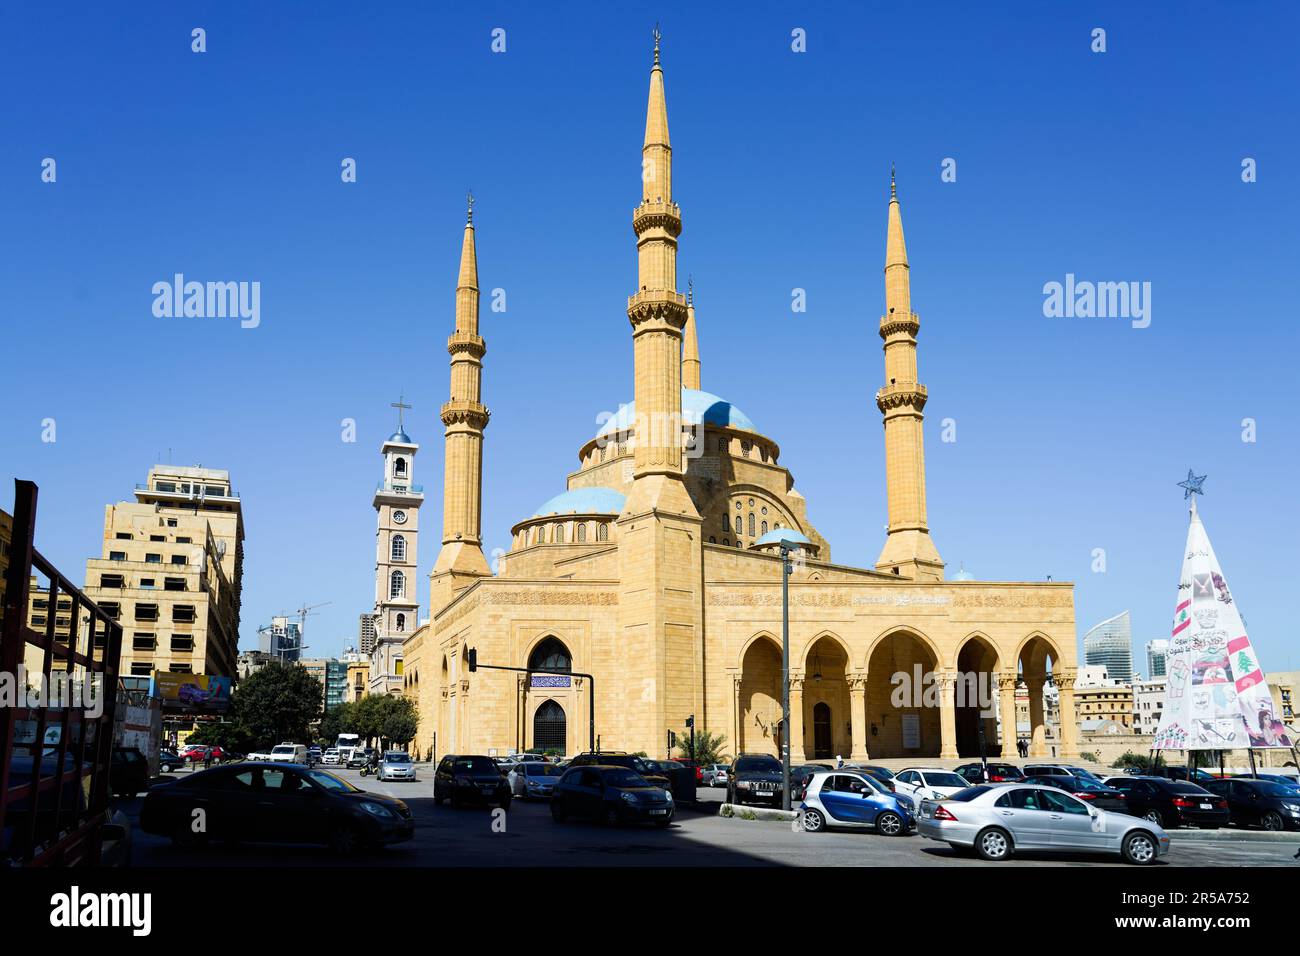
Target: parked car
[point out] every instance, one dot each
(613, 794)
(470, 778)
(921, 783)
(360, 757)
(169, 760)
(128, 772)
(331, 757)
(1060, 769)
(998, 820)
(396, 765)
(262, 755)
(679, 780)
(998, 773)
(288, 753)
(194, 753)
(1097, 794)
(533, 779)
(1280, 778)
(1176, 772)
(845, 798)
(801, 775)
(714, 775)
(1259, 803)
(274, 802)
(1171, 803)
(881, 774)
(755, 778)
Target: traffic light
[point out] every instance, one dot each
(690, 722)
(471, 658)
(672, 742)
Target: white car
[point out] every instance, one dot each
(715, 775)
(928, 783)
(260, 755)
(331, 757)
(396, 765)
(288, 753)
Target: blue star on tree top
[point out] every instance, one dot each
(1192, 486)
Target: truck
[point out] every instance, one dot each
(346, 745)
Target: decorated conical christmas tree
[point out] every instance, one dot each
(1216, 697)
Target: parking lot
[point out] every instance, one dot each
(698, 837)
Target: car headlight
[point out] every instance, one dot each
(378, 810)
(744, 784)
(629, 797)
(669, 795)
(1293, 807)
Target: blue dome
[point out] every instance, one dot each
(963, 575)
(583, 501)
(400, 436)
(777, 535)
(696, 407)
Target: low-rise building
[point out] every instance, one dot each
(1148, 704)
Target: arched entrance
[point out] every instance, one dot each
(822, 748)
(550, 728)
(1036, 716)
(975, 698)
(759, 699)
(901, 722)
(824, 697)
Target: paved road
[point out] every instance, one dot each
(446, 837)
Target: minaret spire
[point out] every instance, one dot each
(909, 551)
(690, 344)
(465, 417)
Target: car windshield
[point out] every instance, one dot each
(1270, 789)
(758, 765)
(624, 778)
(541, 770)
(969, 793)
(281, 750)
(943, 780)
(329, 781)
(473, 765)
(1090, 786)
(397, 758)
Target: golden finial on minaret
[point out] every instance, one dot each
(469, 202)
(690, 290)
(893, 184)
(658, 36)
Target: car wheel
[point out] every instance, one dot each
(344, 839)
(1139, 848)
(813, 821)
(889, 823)
(1271, 821)
(557, 812)
(993, 844)
(1154, 816)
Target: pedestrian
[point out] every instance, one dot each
(839, 762)
(207, 758)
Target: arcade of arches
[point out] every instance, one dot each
(904, 703)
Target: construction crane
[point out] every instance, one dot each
(302, 616)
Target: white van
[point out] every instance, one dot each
(288, 753)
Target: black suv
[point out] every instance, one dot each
(612, 793)
(619, 758)
(1171, 803)
(755, 778)
(470, 778)
(1259, 803)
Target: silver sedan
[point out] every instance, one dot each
(533, 779)
(996, 820)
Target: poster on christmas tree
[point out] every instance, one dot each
(1216, 697)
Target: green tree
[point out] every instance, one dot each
(340, 720)
(227, 734)
(400, 721)
(277, 703)
(1129, 760)
(708, 746)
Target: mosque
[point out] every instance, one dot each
(650, 589)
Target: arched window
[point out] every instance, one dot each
(751, 524)
(550, 655)
(602, 452)
(582, 532)
(559, 534)
(602, 533)
(744, 448)
(764, 527)
(727, 542)
(401, 623)
(397, 585)
(722, 446)
(399, 466)
(399, 547)
(740, 525)
(713, 539)
(738, 542)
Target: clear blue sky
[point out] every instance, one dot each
(1071, 433)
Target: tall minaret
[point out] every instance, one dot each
(660, 609)
(465, 416)
(690, 344)
(908, 550)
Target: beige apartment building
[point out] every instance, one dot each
(655, 568)
(171, 572)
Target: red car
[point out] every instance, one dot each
(198, 752)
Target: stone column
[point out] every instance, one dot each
(1069, 726)
(796, 721)
(947, 715)
(737, 714)
(1037, 714)
(1007, 705)
(858, 716)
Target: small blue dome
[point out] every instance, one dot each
(401, 436)
(696, 407)
(777, 535)
(963, 575)
(583, 501)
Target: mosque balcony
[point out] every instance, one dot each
(657, 303)
(901, 394)
(466, 342)
(653, 214)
